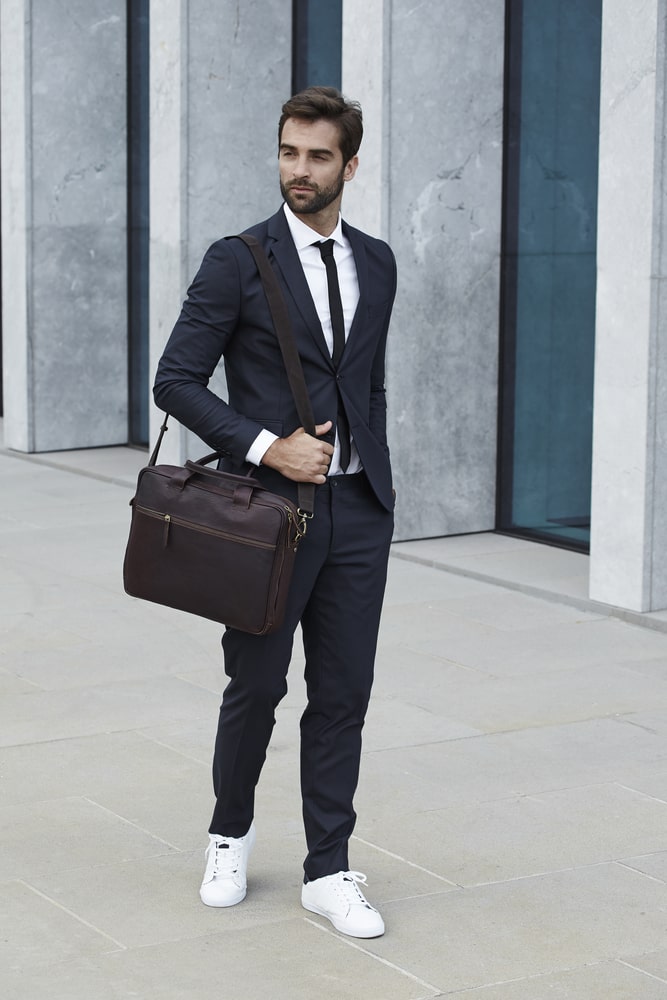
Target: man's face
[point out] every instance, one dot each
(312, 172)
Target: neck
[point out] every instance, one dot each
(323, 222)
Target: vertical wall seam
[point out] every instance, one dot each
(387, 60)
(30, 230)
(184, 132)
(184, 138)
(656, 278)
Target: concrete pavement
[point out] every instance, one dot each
(512, 807)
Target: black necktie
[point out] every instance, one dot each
(335, 304)
(338, 327)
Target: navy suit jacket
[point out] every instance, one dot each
(226, 315)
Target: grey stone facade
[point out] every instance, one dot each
(430, 79)
(219, 73)
(64, 223)
(629, 499)
(445, 178)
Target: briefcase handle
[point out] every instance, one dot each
(200, 466)
(241, 487)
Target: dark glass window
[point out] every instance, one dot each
(317, 34)
(137, 217)
(549, 269)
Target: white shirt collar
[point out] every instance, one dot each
(304, 236)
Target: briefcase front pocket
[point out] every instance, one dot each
(223, 550)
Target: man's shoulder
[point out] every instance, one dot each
(268, 227)
(378, 252)
(229, 247)
(258, 229)
(379, 246)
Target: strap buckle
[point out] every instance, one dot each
(302, 524)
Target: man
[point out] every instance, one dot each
(339, 311)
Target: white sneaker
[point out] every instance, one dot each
(225, 880)
(339, 899)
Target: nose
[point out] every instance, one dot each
(300, 167)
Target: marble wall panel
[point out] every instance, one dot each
(222, 73)
(78, 113)
(75, 335)
(78, 337)
(366, 69)
(167, 196)
(14, 159)
(658, 368)
(239, 76)
(445, 168)
(629, 496)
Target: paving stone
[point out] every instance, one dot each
(50, 715)
(422, 583)
(653, 964)
(293, 960)
(526, 927)
(602, 981)
(654, 865)
(136, 779)
(514, 745)
(511, 611)
(509, 838)
(11, 684)
(152, 900)
(498, 703)
(522, 652)
(61, 834)
(490, 767)
(36, 933)
(649, 778)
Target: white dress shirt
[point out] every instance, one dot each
(315, 273)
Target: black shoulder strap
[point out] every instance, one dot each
(280, 317)
(288, 349)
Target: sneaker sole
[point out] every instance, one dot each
(231, 902)
(339, 927)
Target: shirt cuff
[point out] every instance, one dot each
(260, 446)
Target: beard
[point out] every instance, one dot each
(321, 197)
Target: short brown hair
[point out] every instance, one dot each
(327, 102)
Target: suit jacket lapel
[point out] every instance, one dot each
(285, 254)
(361, 263)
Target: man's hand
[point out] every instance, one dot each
(300, 456)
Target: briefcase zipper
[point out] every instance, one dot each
(168, 520)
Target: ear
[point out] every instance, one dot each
(350, 168)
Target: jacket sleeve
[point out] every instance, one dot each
(377, 417)
(202, 333)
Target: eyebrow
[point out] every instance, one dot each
(292, 149)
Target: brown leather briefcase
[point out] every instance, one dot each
(213, 544)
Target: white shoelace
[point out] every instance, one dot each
(227, 858)
(349, 888)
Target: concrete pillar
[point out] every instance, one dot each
(64, 223)
(220, 72)
(366, 68)
(629, 496)
(430, 78)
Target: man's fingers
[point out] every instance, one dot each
(301, 457)
(324, 429)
